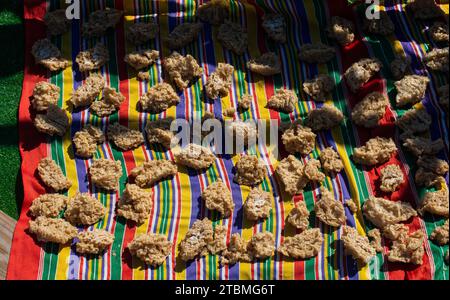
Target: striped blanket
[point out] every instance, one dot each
(176, 201)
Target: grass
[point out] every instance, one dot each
(11, 76)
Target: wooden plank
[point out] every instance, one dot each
(7, 225)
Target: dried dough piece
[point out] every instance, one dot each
(407, 248)
(195, 243)
(290, 171)
(261, 246)
(52, 175)
(283, 100)
(53, 122)
(400, 66)
(105, 173)
(435, 203)
(135, 204)
(377, 150)
(411, 89)
(150, 248)
(330, 160)
(94, 242)
(195, 157)
(440, 234)
(48, 205)
(415, 120)
(57, 22)
(44, 94)
(143, 76)
(110, 103)
(158, 132)
(258, 205)
(319, 88)
(100, 20)
(141, 59)
(267, 64)
(233, 37)
(425, 9)
(84, 209)
(219, 242)
(153, 171)
(140, 33)
(181, 70)
(324, 118)
(229, 112)
(275, 27)
(159, 98)
(433, 164)
(213, 12)
(125, 138)
(316, 53)
(89, 91)
(219, 82)
(381, 212)
(361, 72)
(92, 59)
(217, 196)
(312, 170)
(48, 55)
(423, 146)
(245, 102)
(235, 252)
(86, 141)
(52, 230)
(341, 30)
(183, 34)
(428, 179)
(370, 110)
(391, 178)
(329, 210)
(299, 216)
(382, 25)
(437, 59)
(358, 246)
(250, 170)
(303, 245)
(439, 32)
(242, 132)
(351, 205)
(375, 235)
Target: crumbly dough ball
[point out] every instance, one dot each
(153, 171)
(370, 110)
(219, 242)
(229, 112)
(141, 59)
(53, 122)
(44, 94)
(235, 252)
(381, 212)
(219, 82)
(377, 150)
(140, 33)
(105, 173)
(213, 12)
(319, 88)
(48, 205)
(159, 98)
(299, 138)
(267, 64)
(48, 55)
(181, 70)
(357, 246)
(316, 53)
(57, 22)
(150, 248)
(407, 248)
(233, 37)
(375, 237)
(440, 234)
(52, 175)
(382, 25)
(86, 141)
(324, 118)
(283, 100)
(217, 196)
(411, 89)
(89, 91)
(433, 164)
(250, 170)
(329, 210)
(426, 178)
(261, 246)
(361, 72)
(135, 204)
(415, 120)
(195, 157)
(400, 66)
(92, 59)
(391, 178)
(84, 209)
(275, 27)
(143, 76)
(243, 133)
(258, 205)
(158, 132)
(312, 170)
(245, 102)
(290, 172)
(299, 216)
(439, 32)
(195, 243)
(303, 245)
(424, 9)
(52, 230)
(351, 205)
(423, 146)
(125, 138)
(341, 30)
(437, 59)
(110, 103)
(100, 20)
(331, 161)
(183, 35)
(435, 203)
(94, 242)
(443, 96)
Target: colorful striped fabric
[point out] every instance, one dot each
(176, 202)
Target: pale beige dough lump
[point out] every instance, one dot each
(303, 245)
(233, 37)
(375, 236)
(195, 243)
(214, 12)
(153, 171)
(261, 245)
(439, 32)
(330, 160)
(423, 146)
(125, 138)
(195, 157)
(312, 170)
(87, 93)
(219, 242)
(181, 70)
(406, 247)
(217, 196)
(391, 178)
(48, 205)
(400, 67)
(52, 230)
(275, 27)
(139, 33)
(324, 118)
(299, 216)
(411, 89)
(105, 173)
(52, 175)
(414, 120)
(219, 82)
(53, 122)
(141, 59)
(250, 170)
(183, 34)
(437, 59)
(48, 55)
(267, 64)
(435, 203)
(329, 210)
(361, 72)
(150, 248)
(94, 242)
(319, 88)
(100, 20)
(358, 246)
(57, 22)
(93, 58)
(110, 103)
(86, 141)
(376, 151)
(158, 132)
(283, 100)
(44, 94)
(316, 53)
(381, 212)
(84, 209)
(382, 25)
(258, 205)
(245, 102)
(440, 234)
(290, 171)
(351, 205)
(426, 178)
(433, 164)
(299, 139)
(341, 30)
(135, 204)
(236, 251)
(159, 98)
(370, 110)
